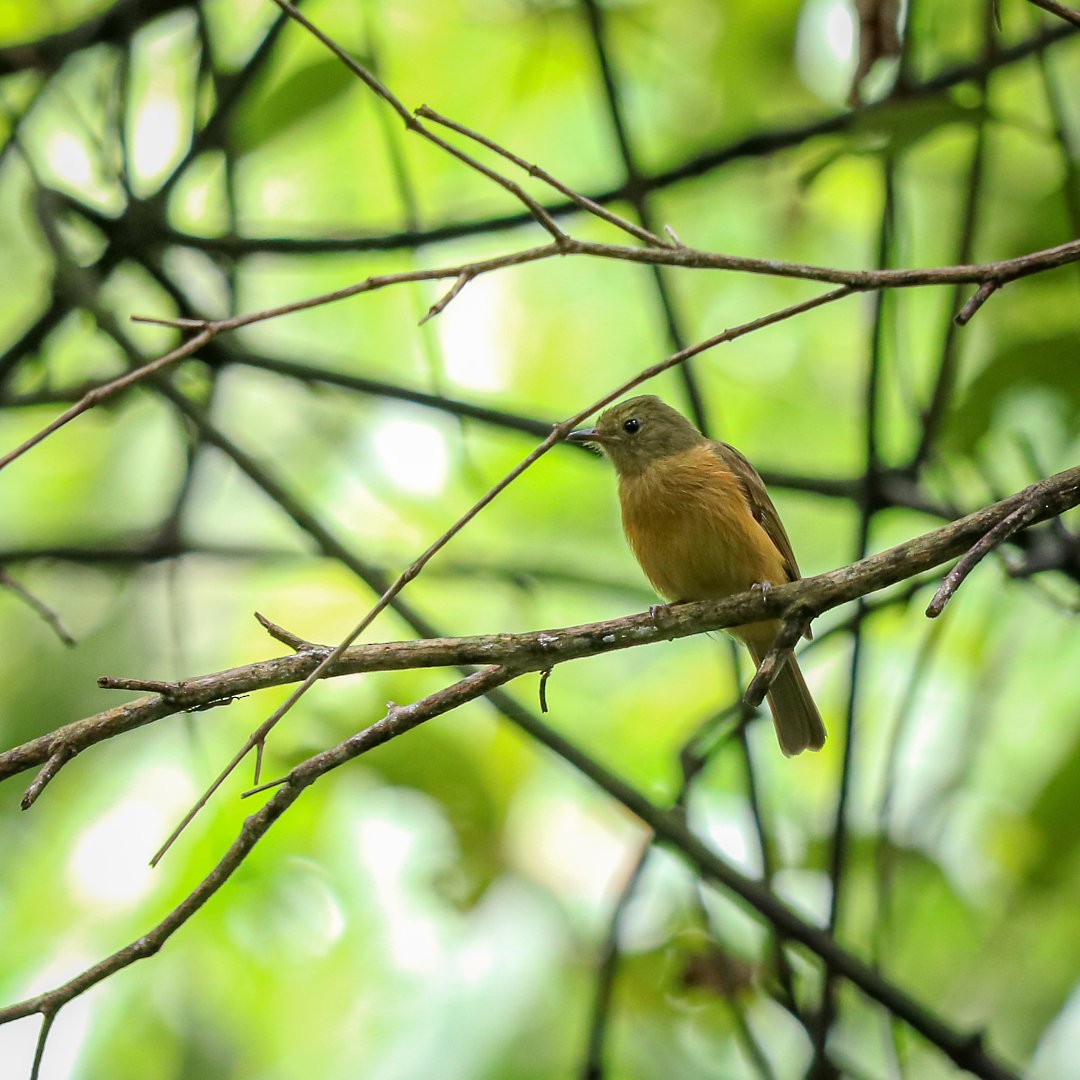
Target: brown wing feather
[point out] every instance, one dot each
(761, 506)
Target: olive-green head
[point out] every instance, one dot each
(634, 433)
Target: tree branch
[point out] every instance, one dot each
(965, 1050)
(1000, 273)
(539, 650)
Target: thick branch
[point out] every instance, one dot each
(540, 650)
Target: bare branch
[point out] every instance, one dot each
(100, 393)
(851, 281)
(380, 89)
(440, 304)
(976, 301)
(583, 201)
(967, 1051)
(38, 605)
(773, 661)
(391, 593)
(540, 650)
(1020, 517)
(286, 637)
(51, 767)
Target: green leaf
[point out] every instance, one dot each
(308, 89)
(1018, 368)
(1054, 843)
(905, 123)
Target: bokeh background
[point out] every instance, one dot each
(438, 908)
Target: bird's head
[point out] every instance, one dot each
(636, 432)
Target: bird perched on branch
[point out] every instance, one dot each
(702, 526)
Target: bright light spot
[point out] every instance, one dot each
(510, 940)
(110, 863)
(808, 891)
(1055, 1056)
(301, 915)
(386, 844)
(472, 338)
(825, 47)
(309, 919)
(278, 195)
(411, 937)
(156, 135)
(730, 826)
(69, 159)
(578, 854)
(731, 840)
(840, 31)
(413, 455)
(332, 925)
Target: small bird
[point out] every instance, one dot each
(702, 526)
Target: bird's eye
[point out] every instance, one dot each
(631, 425)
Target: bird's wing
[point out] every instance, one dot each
(761, 506)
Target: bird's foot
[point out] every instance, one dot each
(660, 613)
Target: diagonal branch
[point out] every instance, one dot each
(1001, 532)
(1000, 273)
(965, 1050)
(582, 201)
(538, 650)
(391, 593)
(381, 90)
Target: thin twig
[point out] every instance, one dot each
(542, 691)
(772, 663)
(593, 207)
(151, 686)
(851, 281)
(381, 90)
(47, 1018)
(637, 195)
(965, 1050)
(1001, 532)
(975, 301)
(390, 594)
(57, 760)
(869, 505)
(48, 615)
(100, 393)
(287, 637)
(440, 304)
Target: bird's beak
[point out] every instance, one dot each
(585, 435)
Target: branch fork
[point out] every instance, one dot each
(795, 624)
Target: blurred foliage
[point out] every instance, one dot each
(438, 907)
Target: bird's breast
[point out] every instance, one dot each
(691, 529)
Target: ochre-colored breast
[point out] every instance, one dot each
(689, 525)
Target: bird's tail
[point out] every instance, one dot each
(798, 722)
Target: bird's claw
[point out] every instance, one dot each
(657, 613)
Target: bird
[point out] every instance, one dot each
(700, 522)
